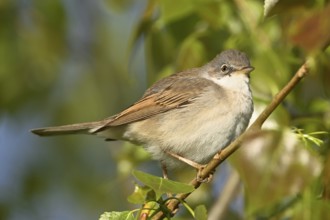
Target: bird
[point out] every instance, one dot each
(185, 118)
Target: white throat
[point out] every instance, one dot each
(234, 82)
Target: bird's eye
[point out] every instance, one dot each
(224, 68)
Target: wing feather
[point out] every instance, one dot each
(178, 93)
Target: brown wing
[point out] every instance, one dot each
(177, 94)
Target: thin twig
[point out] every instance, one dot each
(228, 193)
(222, 155)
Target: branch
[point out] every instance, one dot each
(173, 205)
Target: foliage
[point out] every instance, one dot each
(150, 195)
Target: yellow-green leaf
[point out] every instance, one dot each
(161, 185)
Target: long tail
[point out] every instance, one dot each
(81, 128)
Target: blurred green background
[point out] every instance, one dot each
(72, 61)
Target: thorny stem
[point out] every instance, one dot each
(222, 155)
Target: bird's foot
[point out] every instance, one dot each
(201, 179)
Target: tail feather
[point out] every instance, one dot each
(81, 128)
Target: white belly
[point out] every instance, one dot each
(195, 133)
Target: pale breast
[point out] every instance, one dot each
(196, 132)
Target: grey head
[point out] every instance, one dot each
(228, 62)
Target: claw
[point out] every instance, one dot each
(199, 174)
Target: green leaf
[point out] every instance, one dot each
(171, 11)
(200, 213)
(141, 194)
(143, 24)
(126, 215)
(269, 4)
(191, 54)
(161, 185)
(310, 136)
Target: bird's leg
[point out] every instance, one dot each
(187, 161)
(165, 176)
(197, 166)
(164, 169)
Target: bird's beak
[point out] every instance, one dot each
(246, 70)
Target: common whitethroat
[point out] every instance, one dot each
(184, 118)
